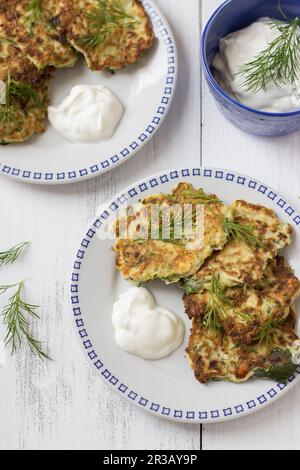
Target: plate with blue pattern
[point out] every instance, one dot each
(166, 388)
(146, 90)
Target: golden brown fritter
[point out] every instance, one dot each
(110, 34)
(27, 109)
(239, 262)
(215, 356)
(24, 23)
(140, 260)
(250, 314)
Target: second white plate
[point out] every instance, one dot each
(166, 388)
(146, 90)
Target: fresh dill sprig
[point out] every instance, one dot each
(109, 16)
(215, 311)
(268, 333)
(246, 317)
(23, 91)
(4, 289)
(173, 228)
(16, 316)
(243, 232)
(10, 256)
(198, 197)
(19, 90)
(279, 62)
(34, 15)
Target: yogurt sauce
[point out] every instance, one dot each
(242, 47)
(90, 113)
(145, 329)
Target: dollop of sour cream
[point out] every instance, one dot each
(90, 113)
(242, 47)
(296, 353)
(145, 329)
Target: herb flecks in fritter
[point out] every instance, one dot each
(217, 357)
(107, 19)
(110, 34)
(24, 110)
(144, 260)
(256, 237)
(26, 23)
(249, 315)
(215, 311)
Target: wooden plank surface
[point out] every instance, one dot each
(64, 405)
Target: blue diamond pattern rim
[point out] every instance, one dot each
(163, 31)
(237, 410)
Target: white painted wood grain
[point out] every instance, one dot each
(276, 162)
(64, 405)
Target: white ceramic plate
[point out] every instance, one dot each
(166, 388)
(146, 89)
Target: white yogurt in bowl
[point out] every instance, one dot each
(242, 47)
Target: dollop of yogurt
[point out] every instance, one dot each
(143, 328)
(238, 49)
(296, 353)
(90, 113)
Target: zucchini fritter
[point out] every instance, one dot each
(250, 314)
(239, 262)
(25, 23)
(215, 356)
(26, 111)
(110, 34)
(141, 260)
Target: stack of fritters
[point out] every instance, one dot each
(24, 107)
(249, 309)
(241, 303)
(239, 291)
(26, 24)
(37, 36)
(30, 49)
(242, 261)
(215, 356)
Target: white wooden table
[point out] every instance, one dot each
(64, 405)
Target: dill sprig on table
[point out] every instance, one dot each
(279, 62)
(215, 310)
(16, 316)
(10, 256)
(109, 16)
(34, 14)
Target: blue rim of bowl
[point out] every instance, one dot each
(217, 87)
(164, 33)
(138, 189)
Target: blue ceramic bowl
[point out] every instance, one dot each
(232, 16)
